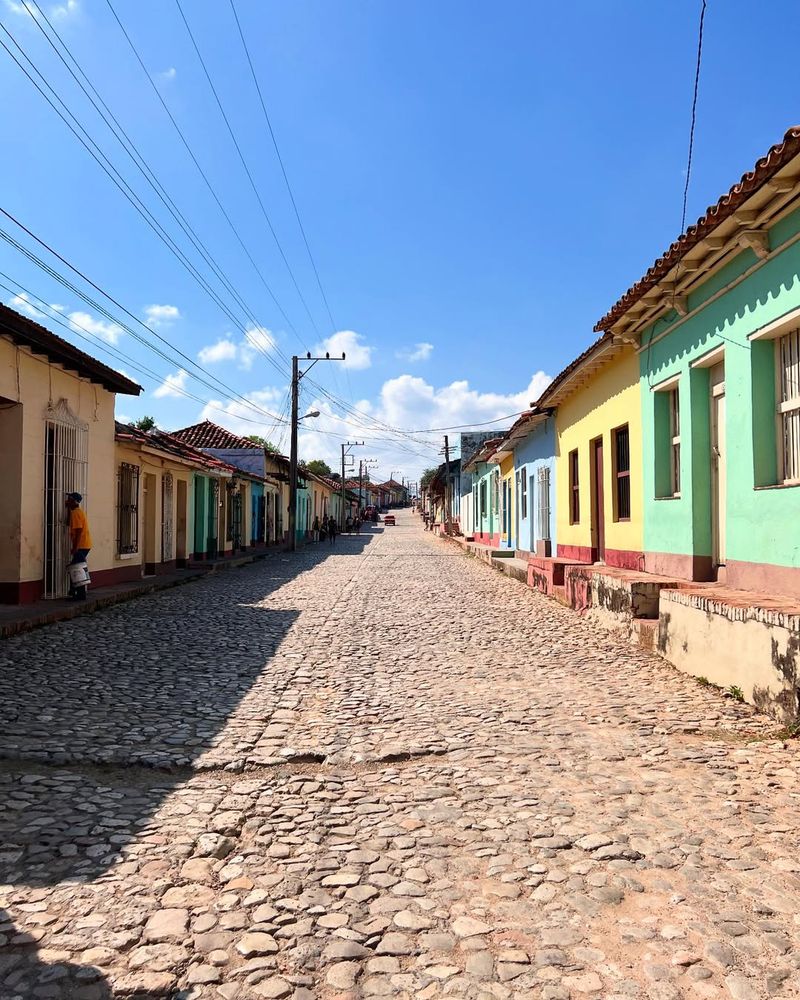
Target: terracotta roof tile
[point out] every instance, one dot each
(778, 156)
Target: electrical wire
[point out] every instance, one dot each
(246, 167)
(102, 160)
(282, 166)
(202, 173)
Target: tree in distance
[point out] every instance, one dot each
(266, 445)
(144, 424)
(318, 467)
(427, 475)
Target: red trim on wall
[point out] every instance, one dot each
(681, 566)
(25, 592)
(484, 538)
(578, 553)
(625, 559)
(763, 577)
(111, 577)
(621, 558)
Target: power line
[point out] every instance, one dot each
(694, 113)
(245, 166)
(229, 392)
(202, 173)
(119, 181)
(283, 168)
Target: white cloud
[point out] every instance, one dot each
(223, 350)
(157, 315)
(63, 10)
(86, 323)
(20, 8)
(258, 341)
(358, 355)
(406, 402)
(173, 385)
(23, 304)
(419, 352)
(168, 74)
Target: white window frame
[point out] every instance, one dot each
(522, 479)
(675, 440)
(787, 396)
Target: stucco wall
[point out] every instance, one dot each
(762, 523)
(608, 401)
(530, 454)
(37, 383)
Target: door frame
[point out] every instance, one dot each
(597, 479)
(717, 458)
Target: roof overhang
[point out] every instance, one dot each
(740, 219)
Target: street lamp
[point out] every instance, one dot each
(309, 415)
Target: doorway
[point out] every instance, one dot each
(167, 518)
(718, 478)
(598, 501)
(181, 523)
(149, 524)
(65, 471)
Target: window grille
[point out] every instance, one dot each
(127, 509)
(544, 503)
(495, 492)
(574, 488)
(167, 518)
(789, 404)
(522, 479)
(66, 463)
(622, 469)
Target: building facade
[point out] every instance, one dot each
(56, 436)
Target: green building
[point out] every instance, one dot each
(716, 321)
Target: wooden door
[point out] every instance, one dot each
(598, 501)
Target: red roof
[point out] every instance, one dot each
(172, 445)
(778, 156)
(209, 435)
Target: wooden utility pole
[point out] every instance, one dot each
(346, 446)
(447, 508)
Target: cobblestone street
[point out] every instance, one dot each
(383, 770)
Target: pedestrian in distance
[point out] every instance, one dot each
(331, 530)
(315, 530)
(80, 539)
(348, 524)
(357, 525)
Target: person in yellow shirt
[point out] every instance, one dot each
(80, 539)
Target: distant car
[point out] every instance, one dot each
(389, 519)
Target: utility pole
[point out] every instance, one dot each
(346, 446)
(297, 375)
(447, 484)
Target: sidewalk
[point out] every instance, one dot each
(16, 618)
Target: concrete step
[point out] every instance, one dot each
(503, 554)
(515, 568)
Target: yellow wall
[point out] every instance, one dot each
(36, 383)
(156, 466)
(610, 400)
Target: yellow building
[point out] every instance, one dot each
(56, 436)
(599, 504)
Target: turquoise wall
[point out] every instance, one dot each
(762, 522)
(487, 522)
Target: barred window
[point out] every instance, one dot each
(522, 479)
(544, 503)
(127, 509)
(574, 488)
(622, 473)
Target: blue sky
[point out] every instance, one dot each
(482, 179)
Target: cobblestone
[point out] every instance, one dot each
(382, 770)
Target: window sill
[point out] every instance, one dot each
(128, 555)
(672, 496)
(622, 520)
(791, 485)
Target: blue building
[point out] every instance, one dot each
(533, 441)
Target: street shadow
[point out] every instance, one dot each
(23, 975)
(103, 715)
